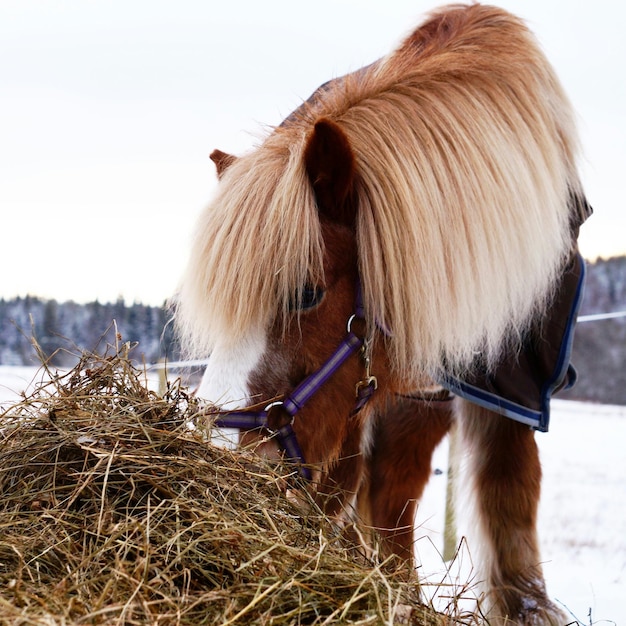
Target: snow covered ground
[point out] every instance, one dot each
(582, 522)
(582, 516)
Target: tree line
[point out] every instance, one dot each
(599, 352)
(65, 329)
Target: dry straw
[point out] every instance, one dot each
(114, 511)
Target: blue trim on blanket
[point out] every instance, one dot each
(493, 402)
(563, 367)
(538, 420)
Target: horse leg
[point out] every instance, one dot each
(504, 471)
(398, 465)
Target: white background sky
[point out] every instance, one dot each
(110, 108)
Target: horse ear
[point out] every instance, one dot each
(330, 165)
(222, 161)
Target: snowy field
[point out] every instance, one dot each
(582, 522)
(582, 516)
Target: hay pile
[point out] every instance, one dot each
(112, 511)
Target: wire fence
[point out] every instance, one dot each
(600, 316)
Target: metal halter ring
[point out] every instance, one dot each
(360, 332)
(273, 405)
(350, 320)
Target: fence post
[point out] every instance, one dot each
(162, 377)
(449, 531)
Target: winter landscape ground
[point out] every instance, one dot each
(582, 521)
(582, 517)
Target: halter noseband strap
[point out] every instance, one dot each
(277, 417)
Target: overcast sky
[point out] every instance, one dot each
(110, 108)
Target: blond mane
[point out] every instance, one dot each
(465, 148)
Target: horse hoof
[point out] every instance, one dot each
(535, 612)
(544, 614)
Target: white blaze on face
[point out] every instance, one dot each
(225, 380)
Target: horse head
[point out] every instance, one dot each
(320, 314)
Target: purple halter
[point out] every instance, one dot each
(278, 417)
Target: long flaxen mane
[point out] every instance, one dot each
(465, 152)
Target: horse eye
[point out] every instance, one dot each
(309, 298)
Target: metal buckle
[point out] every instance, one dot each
(370, 381)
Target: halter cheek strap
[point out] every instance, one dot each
(278, 417)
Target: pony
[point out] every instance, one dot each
(410, 225)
